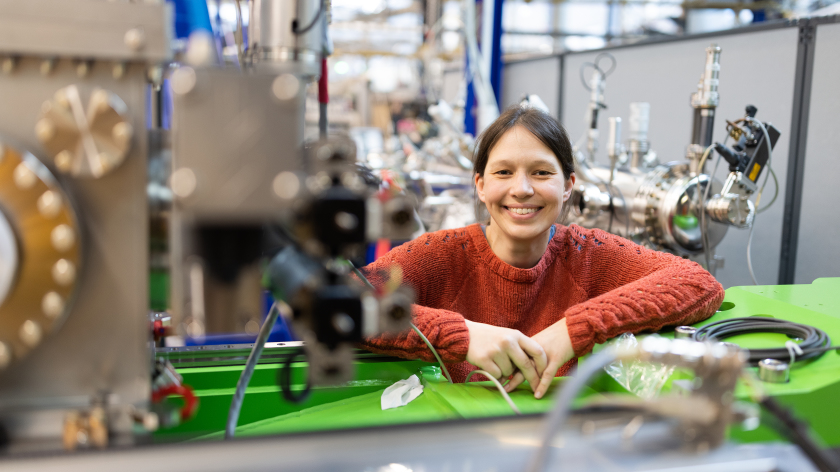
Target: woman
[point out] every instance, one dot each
(524, 296)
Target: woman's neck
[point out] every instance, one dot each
(522, 254)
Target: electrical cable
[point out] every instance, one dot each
(284, 380)
(814, 340)
(434, 351)
(498, 385)
(797, 432)
(562, 407)
(250, 364)
(704, 231)
(443, 369)
(775, 194)
(315, 20)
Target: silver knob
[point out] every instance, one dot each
(684, 332)
(774, 371)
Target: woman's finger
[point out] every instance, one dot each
(535, 352)
(503, 360)
(516, 381)
(547, 378)
(525, 365)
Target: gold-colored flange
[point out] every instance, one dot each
(48, 244)
(85, 141)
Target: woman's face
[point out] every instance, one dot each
(523, 185)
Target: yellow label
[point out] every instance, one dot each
(754, 173)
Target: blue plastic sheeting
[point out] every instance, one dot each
(190, 16)
(280, 333)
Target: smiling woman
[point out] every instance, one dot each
(522, 296)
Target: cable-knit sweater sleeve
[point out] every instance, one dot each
(428, 265)
(632, 289)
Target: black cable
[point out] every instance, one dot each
(284, 380)
(797, 432)
(814, 341)
(298, 32)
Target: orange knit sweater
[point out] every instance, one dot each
(602, 284)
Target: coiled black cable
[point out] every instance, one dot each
(814, 340)
(284, 379)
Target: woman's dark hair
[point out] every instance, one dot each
(542, 125)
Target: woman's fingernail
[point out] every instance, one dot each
(538, 395)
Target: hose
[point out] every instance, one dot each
(245, 377)
(814, 340)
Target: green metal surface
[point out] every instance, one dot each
(812, 392)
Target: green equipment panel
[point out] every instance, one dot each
(811, 392)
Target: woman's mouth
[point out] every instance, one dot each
(523, 211)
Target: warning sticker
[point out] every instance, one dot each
(754, 172)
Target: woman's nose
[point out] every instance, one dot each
(521, 186)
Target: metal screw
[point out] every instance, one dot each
(100, 101)
(121, 132)
(49, 204)
(135, 39)
(64, 272)
(82, 68)
(52, 305)
(183, 182)
(64, 161)
(30, 333)
(343, 323)
(9, 64)
(45, 130)
(62, 238)
(286, 185)
(47, 66)
(183, 80)
(118, 70)
(24, 177)
(285, 87)
(346, 221)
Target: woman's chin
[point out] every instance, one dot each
(526, 231)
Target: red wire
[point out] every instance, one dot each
(190, 400)
(323, 95)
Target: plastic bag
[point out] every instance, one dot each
(644, 379)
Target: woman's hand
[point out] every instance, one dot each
(557, 344)
(501, 351)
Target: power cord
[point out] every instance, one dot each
(250, 364)
(814, 340)
(498, 385)
(308, 27)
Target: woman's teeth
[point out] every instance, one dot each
(523, 211)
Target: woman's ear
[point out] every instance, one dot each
(479, 186)
(570, 185)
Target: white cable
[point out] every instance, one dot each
(498, 385)
(248, 371)
(794, 350)
(432, 348)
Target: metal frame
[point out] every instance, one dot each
(798, 140)
(799, 123)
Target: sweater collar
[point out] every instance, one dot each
(481, 249)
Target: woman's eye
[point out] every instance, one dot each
(503, 172)
(543, 173)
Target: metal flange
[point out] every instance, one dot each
(85, 141)
(42, 231)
